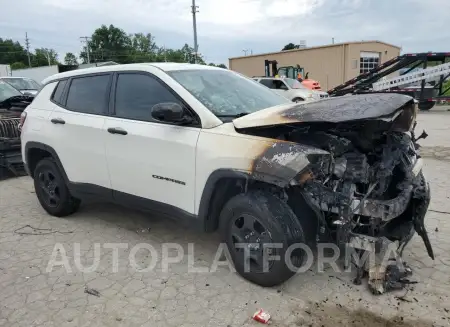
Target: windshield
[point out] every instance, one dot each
(293, 84)
(23, 83)
(226, 93)
(7, 91)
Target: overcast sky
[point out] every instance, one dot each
(226, 27)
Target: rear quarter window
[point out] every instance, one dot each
(57, 95)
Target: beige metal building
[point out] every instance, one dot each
(331, 64)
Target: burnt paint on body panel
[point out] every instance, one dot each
(332, 110)
(281, 161)
(348, 108)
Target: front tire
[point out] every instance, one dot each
(52, 191)
(254, 219)
(297, 100)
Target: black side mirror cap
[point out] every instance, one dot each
(170, 112)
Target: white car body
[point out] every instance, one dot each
(211, 146)
(189, 154)
(291, 89)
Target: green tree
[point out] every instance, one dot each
(143, 43)
(190, 56)
(42, 56)
(143, 47)
(109, 44)
(445, 86)
(12, 52)
(70, 59)
(290, 46)
(219, 65)
(114, 44)
(18, 65)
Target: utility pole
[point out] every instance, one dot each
(86, 39)
(194, 22)
(48, 58)
(27, 42)
(332, 40)
(245, 52)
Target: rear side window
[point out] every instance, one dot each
(89, 94)
(57, 94)
(136, 94)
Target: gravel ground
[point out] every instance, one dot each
(31, 296)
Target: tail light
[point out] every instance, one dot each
(23, 117)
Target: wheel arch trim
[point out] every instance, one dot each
(42, 146)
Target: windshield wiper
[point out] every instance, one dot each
(235, 115)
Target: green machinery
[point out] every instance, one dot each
(292, 72)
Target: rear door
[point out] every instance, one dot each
(149, 159)
(80, 105)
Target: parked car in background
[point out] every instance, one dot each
(291, 89)
(12, 104)
(25, 85)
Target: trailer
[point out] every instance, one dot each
(40, 73)
(435, 69)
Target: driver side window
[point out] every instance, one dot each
(136, 94)
(279, 85)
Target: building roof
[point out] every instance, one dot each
(316, 47)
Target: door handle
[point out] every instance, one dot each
(58, 121)
(117, 130)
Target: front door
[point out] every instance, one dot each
(150, 162)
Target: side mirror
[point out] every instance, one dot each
(170, 112)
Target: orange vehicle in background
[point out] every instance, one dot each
(272, 70)
(297, 73)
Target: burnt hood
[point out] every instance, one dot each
(382, 106)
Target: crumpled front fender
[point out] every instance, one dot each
(280, 162)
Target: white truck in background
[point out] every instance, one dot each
(36, 73)
(41, 73)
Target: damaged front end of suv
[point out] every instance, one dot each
(356, 162)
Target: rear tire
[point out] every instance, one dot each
(297, 100)
(52, 191)
(271, 221)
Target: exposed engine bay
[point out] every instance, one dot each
(369, 190)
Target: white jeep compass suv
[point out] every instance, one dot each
(219, 150)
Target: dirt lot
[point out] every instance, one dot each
(30, 296)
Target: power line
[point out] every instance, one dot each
(27, 42)
(86, 39)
